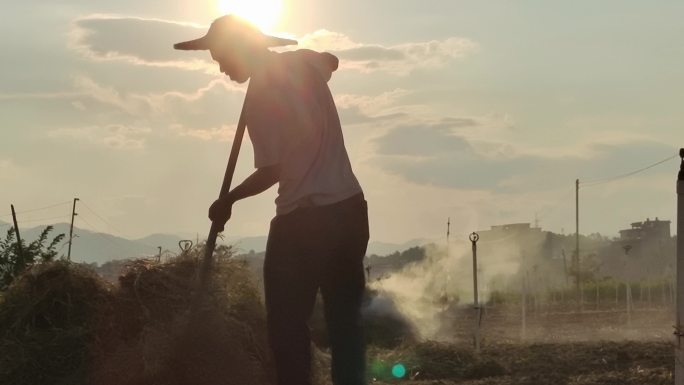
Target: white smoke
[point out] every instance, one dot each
(425, 291)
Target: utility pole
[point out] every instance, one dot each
(679, 329)
(445, 296)
(474, 237)
(447, 239)
(16, 231)
(523, 303)
(71, 229)
(565, 270)
(628, 288)
(578, 282)
(448, 230)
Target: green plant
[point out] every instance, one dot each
(16, 257)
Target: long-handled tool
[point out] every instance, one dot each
(209, 247)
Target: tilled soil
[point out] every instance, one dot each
(578, 363)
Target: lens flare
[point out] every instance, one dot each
(399, 371)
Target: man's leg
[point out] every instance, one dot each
(290, 291)
(343, 288)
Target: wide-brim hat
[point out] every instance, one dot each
(230, 28)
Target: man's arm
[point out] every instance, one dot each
(260, 180)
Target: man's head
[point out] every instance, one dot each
(235, 44)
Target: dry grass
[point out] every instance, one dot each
(62, 324)
(47, 318)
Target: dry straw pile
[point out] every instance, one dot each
(60, 323)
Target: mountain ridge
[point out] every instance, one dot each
(97, 247)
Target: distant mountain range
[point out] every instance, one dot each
(94, 247)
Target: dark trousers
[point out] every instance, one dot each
(310, 249)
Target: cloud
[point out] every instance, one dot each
(113, 136)
(144, 41)
(420, 143)
(398, 59)
(443, 154)
(202, 113)
(139, 41)
(222, 133)
(371, 104)
(107, 115)
(164, 103)
(131, 104)
(371, 52)
(40, 95)
(356, 109)
(324, 40)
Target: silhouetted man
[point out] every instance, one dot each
(319, 235)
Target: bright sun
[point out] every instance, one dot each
(262, 13)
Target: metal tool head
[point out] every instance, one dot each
(185, 245)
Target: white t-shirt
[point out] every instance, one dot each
(292, 121)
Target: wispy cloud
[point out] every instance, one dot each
(114, 136)
(131, 103)
(372, 104)
(205, 113)
(441, 154)
(144, 41)
(398, 59)
(357, 109)
(40, 95)
(223, 133)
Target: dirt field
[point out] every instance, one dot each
(558, 346)
(559, 324)
(596, 363)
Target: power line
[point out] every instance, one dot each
(599, 181)
(93, 229)
(111, 226)
(36, 209)
(100, 234)
(106, 222)
(97, 232)
(43, 219)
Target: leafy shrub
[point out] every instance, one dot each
(13, 261)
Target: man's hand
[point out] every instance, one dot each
(220, 211)
(258, 182)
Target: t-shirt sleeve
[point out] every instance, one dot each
(265, 114)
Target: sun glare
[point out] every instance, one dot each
(262, 13)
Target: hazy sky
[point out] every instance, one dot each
(484, 112)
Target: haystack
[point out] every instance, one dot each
(48, 321)
(62, 324)
(155, 331)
